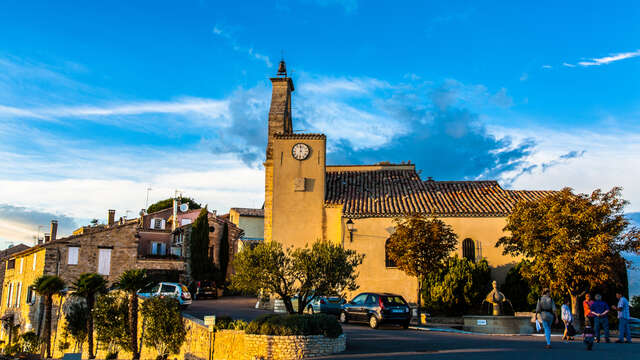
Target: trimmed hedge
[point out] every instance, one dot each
(295, 324)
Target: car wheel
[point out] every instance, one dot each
(405, 325)
(343, 317)
(373, 322)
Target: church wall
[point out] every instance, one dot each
(297, 215)
(370, 235)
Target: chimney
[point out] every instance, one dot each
(46, 238)
(54, 230)
(112, 217)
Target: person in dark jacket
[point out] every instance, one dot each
(600, 311)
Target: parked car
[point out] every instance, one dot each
(634, 326)
(375, 309)
(175, 290)
(205, 289)
(325, 305)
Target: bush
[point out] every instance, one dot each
(634, 310)
(164, 327)
(290, 325)
(30, 342)
(227, 323)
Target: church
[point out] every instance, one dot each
(354, 205)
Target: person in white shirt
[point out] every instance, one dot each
(567, 319)
(623, 318)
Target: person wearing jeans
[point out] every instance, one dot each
(600, 310)
(545, 310)
(623, 318)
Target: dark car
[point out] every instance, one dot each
(375, 309)
(325, 305)
(204, 289)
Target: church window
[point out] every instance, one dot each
(469, 250)
(387, 260)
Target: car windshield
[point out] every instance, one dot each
(393, 300)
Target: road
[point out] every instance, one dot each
(391, 342)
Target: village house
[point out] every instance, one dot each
(251, 221)
(354, 205)
(4, 256)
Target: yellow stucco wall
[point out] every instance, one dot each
(26, 313)
(297, 216)
(253, 226)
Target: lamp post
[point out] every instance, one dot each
(350, 228)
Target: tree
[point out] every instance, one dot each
(323, 269)
(167, 203)
(223, 256)
(76, 318)
(635, 306)
(516, 288)
(48, 286)
(88, 286)
(573, 241)
(111, 321)
(200, 262)
(419, 246)
(457, 288)
(164, 327)
(132, 281)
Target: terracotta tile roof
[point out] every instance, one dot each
(299, 136)
(387, 193)
(249, 212)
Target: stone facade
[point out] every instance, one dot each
(236, 345)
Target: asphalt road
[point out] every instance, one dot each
(392, 342)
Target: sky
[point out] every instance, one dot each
(101, 101)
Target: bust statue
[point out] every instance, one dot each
(495, 298)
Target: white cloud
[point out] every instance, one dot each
(609, 59)
(568, 65)
(547, 67)
(226, 34)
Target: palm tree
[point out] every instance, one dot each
(131, 281)
(48, 286)
(88, 286)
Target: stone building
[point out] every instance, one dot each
(4, 256)
(354, 205)
(251, 221)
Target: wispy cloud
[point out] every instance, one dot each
(568, 65)
(609, 59)
(547, 67)
(228, 35)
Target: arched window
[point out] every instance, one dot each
(469, 250)
(387, 260)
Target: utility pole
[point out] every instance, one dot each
(146, 203)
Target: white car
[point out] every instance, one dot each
(174, 290)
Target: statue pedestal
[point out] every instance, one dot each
(488, 324)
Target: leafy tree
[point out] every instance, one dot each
(573, 241)
(76, 319)
(202, 267)
(325, 268)
(635, 306)
(516, 288)
(111, 322)
(131, 281)
(30, 342)
(48, 286)
(458, 287)
(420, 246)
(223, 255)
(164, 327)
(167, 203)
(88, 286)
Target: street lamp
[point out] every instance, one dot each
(350, 228)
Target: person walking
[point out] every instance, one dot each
(567, 319)
(545, 312)
(586, 306)
(623, 318)
(600, 311)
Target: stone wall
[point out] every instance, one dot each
(236, 345)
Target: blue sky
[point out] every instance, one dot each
(100, 101)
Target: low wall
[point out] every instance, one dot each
(236, 345)
(498, 324)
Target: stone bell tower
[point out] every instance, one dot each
(279, 123)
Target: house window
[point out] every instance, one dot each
(468, 250)
(387, 260)
(104, 261)
(35, 261)
(11, 264)
(158, 248)
(10, 294)
(157, 224)
(21, 265)
(31, 295)
(18, 294)
(185, 222)
(73, 255)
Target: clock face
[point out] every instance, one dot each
(300, 151)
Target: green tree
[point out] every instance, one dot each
(516, 288)
(48, 286)
(76, 318)
(457, 288)
(420, 246)
(323, 269)
(131, 281)
(167, 203)
(29, 342)
(164, 327)
(88, 286)
(635, 306)
(223, 256)
(573, 241)
(200, 262)
(111, 322)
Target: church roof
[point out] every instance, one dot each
(389, 192)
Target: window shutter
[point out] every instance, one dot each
(162, 224)
(104, 261)
(73, 255)
(163, 249)
(21, 265)
(18, 294)
(35, 261)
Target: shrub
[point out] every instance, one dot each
(635, 307)
(164, 327)
(289, 325)
(227, 323)
(30, 342)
